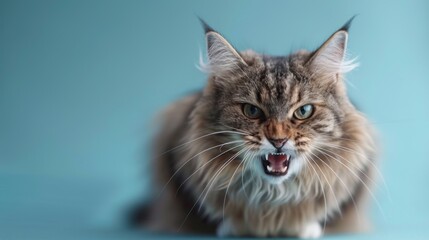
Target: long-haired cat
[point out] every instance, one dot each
(272, 146)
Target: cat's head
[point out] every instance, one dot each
(281, 108)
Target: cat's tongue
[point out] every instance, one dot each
(277, 161)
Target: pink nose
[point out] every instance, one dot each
(278, 143)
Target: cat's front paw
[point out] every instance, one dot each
(312, 230)
(225, 229)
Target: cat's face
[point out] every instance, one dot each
(283, 108)
(282, 115)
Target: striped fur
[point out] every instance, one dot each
(208, 169)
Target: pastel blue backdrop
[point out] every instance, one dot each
(80, 82)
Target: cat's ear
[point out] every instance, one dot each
(223, 59)
(329, 60)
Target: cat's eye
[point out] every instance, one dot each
(252, 112)
(304, 112)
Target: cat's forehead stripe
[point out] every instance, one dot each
(277, 77)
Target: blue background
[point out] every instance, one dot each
(80, 83)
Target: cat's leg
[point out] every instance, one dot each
(234, 228)
(225, 229)
(311, 230)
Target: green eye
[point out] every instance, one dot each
(251, 111)
(304, 112)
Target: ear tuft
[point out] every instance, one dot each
(206, 27)
(223, 59)
(347, 25)
(330, 59)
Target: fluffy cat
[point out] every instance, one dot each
(272, 146)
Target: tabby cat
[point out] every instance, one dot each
(272, 146)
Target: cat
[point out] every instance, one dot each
(272, 146)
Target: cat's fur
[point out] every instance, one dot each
(208, 160)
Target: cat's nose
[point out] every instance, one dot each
(278, 143)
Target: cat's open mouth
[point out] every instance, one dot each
(275, 164)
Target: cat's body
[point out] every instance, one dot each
(249, 156)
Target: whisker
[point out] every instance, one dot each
(199, 138)
(345, 159)
(364, 184)
(213, 178)
(327, 181)
(342, 182)
(208, 162)
(230, 181)
(237, 129)
(350, 150)
(187, 161)
(211, 182)
(246, 165)
(324, 196)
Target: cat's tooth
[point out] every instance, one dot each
(270, 169)
(266, 156)
(284, 169)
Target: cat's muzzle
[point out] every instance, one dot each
(275, 164)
